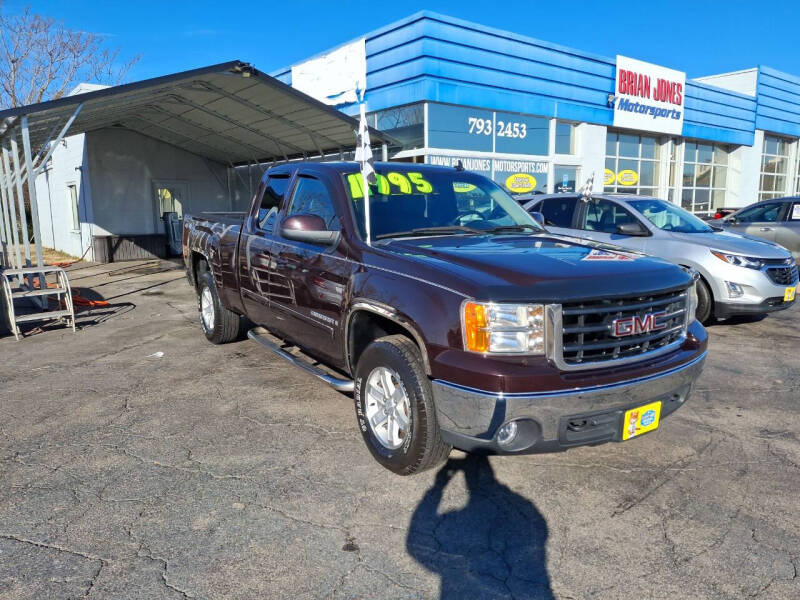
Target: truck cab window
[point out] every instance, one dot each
(558, 211)
(271, 201)
(311, 198)
(605, 216)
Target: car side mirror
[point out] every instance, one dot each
(633, 229)
(538, 217)
(310, 229)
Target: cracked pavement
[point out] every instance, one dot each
(222, 472)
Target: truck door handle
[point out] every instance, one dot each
(766, 229)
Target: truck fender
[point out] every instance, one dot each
(388, 312)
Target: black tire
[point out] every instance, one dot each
(423, 448)
(705, 303)
(225, 325)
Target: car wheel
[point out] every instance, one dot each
(395, 409)
(219, 324)
(705, 303)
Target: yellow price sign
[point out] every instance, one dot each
(392, 183)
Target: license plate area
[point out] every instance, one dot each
(597, 427)
(641, 419)
(789, 294)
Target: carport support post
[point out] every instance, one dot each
(20, 196)
(6, 233)
(384, 152)
(8, 200)
(37, 238)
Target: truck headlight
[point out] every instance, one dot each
(491, 328)
(739, 260)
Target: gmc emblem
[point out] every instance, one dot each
(637, 325)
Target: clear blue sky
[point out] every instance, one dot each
(699, 37)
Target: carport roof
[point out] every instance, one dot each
(229, 112)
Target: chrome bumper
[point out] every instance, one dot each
(470, 418)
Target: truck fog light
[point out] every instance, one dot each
(507, 433)
(734, 289)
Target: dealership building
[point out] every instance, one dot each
(537, 116)
(534, 116)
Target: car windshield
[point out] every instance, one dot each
(427, 202)
(668, 216)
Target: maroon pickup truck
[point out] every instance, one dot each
(461, 322)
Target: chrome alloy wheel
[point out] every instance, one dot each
(207, 309)
(388, 408)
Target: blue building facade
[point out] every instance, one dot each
(507, 105)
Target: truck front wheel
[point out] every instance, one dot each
(395, 409)
(219, 324)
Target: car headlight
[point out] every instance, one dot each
(491, 328)
(691, 302)
(739, 260)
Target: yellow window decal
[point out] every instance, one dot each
(609, 177)
(519, 183)
(461, 187)
(627, 177)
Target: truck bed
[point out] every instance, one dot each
(226, 218)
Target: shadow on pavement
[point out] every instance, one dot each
(494, 547)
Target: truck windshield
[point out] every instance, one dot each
(406, 202)
(669, 217)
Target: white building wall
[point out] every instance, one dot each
(744, 171)
(591, 143)
(744, 82)
(123, 165)
(52, 193)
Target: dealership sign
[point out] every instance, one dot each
(648, 97)
(336, 77)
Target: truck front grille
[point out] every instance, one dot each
(587, 328)
(783, 275)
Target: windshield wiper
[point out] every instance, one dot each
(510, 228)
(452, 229)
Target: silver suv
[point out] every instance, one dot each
(739, 275)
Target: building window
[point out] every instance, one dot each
(797, 178)
(632, 163)
(774, 167)
(565, 138)
(566, 178)
(705, 174)
(404, 123)
(72, 197)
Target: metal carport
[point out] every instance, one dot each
(231, 113)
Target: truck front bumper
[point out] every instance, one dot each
(554, 421)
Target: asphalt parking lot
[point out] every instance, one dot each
(139, 461)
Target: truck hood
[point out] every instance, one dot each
(538, 268)
(728, 241)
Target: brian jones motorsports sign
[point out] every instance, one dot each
(648, 97)
(517, 176)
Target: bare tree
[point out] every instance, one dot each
(40, 59)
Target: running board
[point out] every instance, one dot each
(259, 334)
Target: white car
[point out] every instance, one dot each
(738, 275)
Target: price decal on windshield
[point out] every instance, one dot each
(392, 183)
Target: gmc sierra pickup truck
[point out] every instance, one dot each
(460, 322)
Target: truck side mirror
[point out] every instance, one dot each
(310, 229)
(632, 229)
(538, 217)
